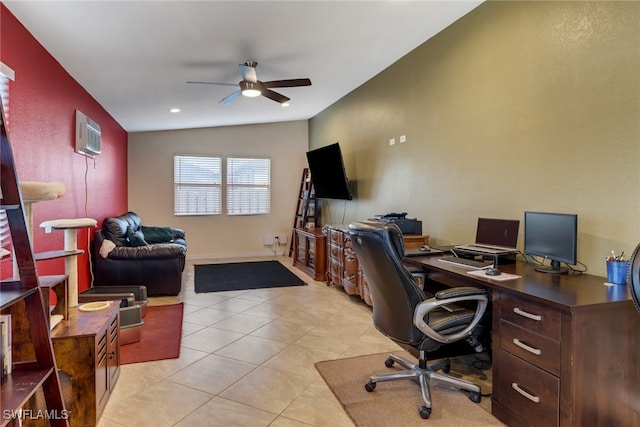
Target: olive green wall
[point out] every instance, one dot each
(517, 106)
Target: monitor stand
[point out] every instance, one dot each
(554, 268)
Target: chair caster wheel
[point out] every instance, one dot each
(424, 412)
(370, 386)
(447, 367)
(475, 397)
(389, 362)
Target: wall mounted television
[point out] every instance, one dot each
(553, 236)
(328, 174)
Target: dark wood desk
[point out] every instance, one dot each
(566, 348)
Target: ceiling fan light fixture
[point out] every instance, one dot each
(250, 89)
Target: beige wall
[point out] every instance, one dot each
(151, 183)
(517, 106)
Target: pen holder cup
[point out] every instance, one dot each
(617, 272)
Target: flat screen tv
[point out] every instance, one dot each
(327, 173)
(553, 236)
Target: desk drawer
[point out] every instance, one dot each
(530, 315)
(528, 391)
(337, 236)
(335, 272)
(537, 349)
(335, 251)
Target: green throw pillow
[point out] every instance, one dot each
(157, 234)
(136, 238)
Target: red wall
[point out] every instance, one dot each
(41, 119)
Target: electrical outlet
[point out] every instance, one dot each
(268, 240)
(283, 239)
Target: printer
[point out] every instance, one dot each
(406, 225)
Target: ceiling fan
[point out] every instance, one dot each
(250, 85)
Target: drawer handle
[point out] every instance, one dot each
(530, 349)
(531, 397)
(536, 317)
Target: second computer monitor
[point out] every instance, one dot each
(553, 236)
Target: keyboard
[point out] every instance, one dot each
(465, 262)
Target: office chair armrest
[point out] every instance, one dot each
(459, 292)
(427, 306)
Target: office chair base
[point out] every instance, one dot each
(424, 376)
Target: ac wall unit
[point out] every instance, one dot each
(87, 135)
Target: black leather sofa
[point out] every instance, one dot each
(124, 252)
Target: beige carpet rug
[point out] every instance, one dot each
(396, 403)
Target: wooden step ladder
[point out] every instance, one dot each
(34, 372)
(307, 206)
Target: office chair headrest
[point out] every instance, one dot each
(387, 230)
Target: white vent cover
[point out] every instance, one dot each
(87, 135)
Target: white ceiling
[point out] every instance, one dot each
(135, 57)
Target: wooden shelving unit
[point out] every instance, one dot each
(34, 367)
(61, 253)
(306, 208)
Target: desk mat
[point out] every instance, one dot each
(500, 278)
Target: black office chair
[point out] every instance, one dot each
(404, 313)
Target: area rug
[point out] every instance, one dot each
(396, 403)
(160, 338)
(243, 275)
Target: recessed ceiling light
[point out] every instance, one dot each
(286, 104)
(174, 110)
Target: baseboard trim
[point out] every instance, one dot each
(198, 257)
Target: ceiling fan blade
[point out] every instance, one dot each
(227, 99)
(248, 71)
(274, 96)
(214, 83)
(287, 83)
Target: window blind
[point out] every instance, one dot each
(248, 186)
(197, 185)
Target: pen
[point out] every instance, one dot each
(613, 256)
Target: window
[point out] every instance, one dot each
(197, 185)
(248, 186)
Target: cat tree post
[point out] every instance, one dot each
(34, 192)
(70, 227)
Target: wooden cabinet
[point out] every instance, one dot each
(529, 359)
(87, 351)
(342, 264)
(309, 252)
(565, 366)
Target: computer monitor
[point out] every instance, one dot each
(553, 236)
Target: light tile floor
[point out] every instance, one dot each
(247, 359)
